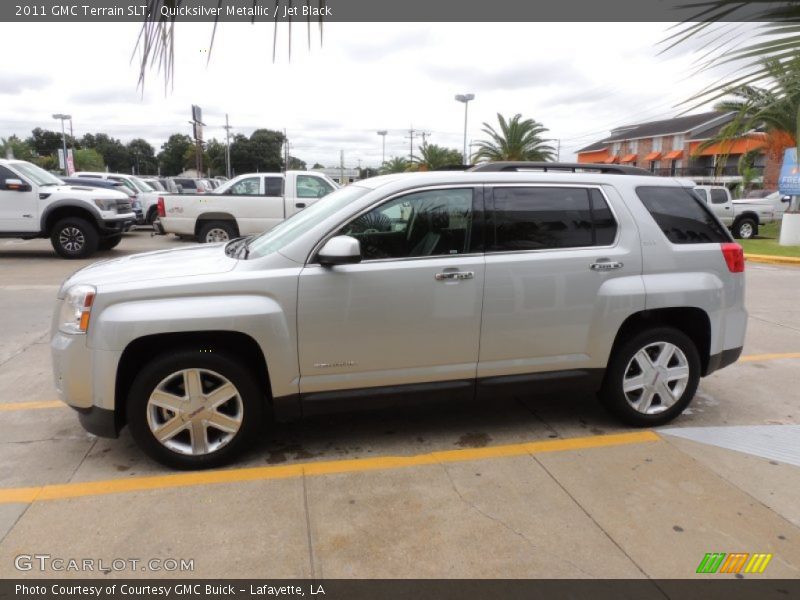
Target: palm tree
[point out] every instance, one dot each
(434, 157)
(517, 140)
(396, 164)
(772, 109)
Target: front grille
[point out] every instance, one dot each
(124, 206)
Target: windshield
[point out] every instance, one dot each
(36, 174)
(141, 185)
(292, 228)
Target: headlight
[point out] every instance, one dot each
(105, 204)
(76, 309)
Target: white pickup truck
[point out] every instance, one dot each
(742, 217)
(245, 205)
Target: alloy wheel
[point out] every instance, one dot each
(217, 234)
(71, 239)
(656, 377)
(194, 411)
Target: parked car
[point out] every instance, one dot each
(154, 183)
(108, 184)
(245, 205)
(743, 218)
(466, 284)
(774, 201)
(79, 220)
(190, 185)
(144, 193)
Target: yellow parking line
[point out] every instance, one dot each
(763, 357)
(7, 406)
(139, 484)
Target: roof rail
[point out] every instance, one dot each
(558, 166)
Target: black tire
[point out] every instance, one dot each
(745, 228)
(220, 228)
(622, 365)
(109, 242)
(152, 215)
(74, 237)
(158, 370)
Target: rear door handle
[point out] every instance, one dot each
(605, 265)
(454, 275)
(300, 205)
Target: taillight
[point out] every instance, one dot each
(162, 211)
(734, 257)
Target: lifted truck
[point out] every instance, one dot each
(78, 220)
(245, 205)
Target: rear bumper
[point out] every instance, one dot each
(723, 359)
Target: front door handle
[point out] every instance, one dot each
(454, 275)
(605, 265)
(300, 205)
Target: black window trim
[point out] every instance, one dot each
(490, 213)
(479, 219)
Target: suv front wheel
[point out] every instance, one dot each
(652, 377)
(194, 409)
(74, 237)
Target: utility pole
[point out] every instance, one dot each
(285, 151)
(424, 135)
(227, 147)
(341, 167)
(558, 151)
(383, 133)
(412, 133)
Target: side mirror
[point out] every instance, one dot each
(17, 185)
(340, 250)
(786, 199)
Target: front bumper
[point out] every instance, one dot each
(85, 380)
(110, 227)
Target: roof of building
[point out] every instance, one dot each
(683, 124)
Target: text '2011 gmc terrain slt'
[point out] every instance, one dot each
(473, 284)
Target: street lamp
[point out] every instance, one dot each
(64, 137)
(465, 98)
(383, 133)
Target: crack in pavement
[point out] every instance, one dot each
(505, 525)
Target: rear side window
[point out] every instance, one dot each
(536, 218)
(718, 197)
(274, 186)
(681, 215)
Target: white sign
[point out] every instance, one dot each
(60, 158)
(70, 163)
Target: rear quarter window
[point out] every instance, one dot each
(681, 215)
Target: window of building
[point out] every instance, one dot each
(657, 143)
(534, 218)
(681, 215)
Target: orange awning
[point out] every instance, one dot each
(674, 155)
(653, 156)
(611, 159)
(628, 158)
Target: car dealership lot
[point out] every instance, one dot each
(524, 488)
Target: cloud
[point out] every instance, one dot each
(374, 51)
(109, 96)
(508, 78)
(15, 83)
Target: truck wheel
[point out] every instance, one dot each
(651, 377)
(74, 237)
(745, 228)
(194, 409)
(109, 242)
(216, 231)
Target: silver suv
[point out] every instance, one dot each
(480, 283)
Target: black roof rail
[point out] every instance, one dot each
(558, 166)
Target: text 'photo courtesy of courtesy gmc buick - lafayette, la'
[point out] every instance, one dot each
(509, 278)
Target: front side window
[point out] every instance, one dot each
(309, 186)
(428, 223)
(681, 215)
(36, 174)
(246, 187)
(541, 218)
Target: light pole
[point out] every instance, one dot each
(465, 98)
(383, 133)
(64, 137)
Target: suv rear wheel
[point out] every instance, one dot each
(74, 237)
(194, 409)
(745, 228)
(652, 377)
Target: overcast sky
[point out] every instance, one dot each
(578, 79)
